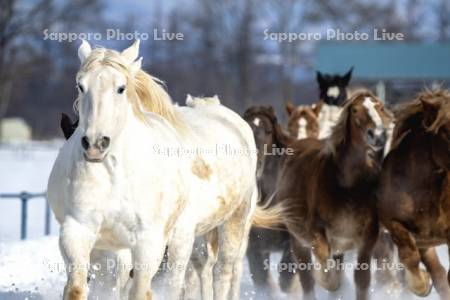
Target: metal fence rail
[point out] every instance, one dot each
(24, 197)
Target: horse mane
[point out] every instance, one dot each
(340, 132)
(282, 139)
(409, 116)
(145, 92)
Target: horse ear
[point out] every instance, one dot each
(136, 66)
(66, 125)
(347, 77)
(319, 78)
(189, 100)
(131, 53)
(84, 50)
(290, 107)
(430, 111)
(316, 109)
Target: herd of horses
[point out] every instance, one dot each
(353, 175)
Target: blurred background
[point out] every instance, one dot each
(224, 50)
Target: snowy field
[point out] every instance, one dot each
(27, 268)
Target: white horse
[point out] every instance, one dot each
(140, 173)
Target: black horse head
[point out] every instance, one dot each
(333, 88)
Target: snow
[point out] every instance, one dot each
(25, 167)
(33, 269)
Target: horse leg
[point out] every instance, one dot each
(178, 254)
(383, 254)
(417, 280)
(233, 238)
(76, 242)
(206, 275)
(327, 276)
(203, 260)
(124, 268)
(287, 275)
(259, 263)
(245, 212)
(192, 282)
(303, 257)
(362, 270)
(147, 255)
(338, 269)
(104, 279)
(438, 273)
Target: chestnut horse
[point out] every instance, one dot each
(268, 136)
(303, 121)
(414, 191)
(328, 187)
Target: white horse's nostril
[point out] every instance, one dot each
(104, 142)
(85, 142)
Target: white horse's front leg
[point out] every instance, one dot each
(76, 241)
(147, 255)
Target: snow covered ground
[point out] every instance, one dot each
(29, 270)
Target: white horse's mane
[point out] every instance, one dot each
(145, 92)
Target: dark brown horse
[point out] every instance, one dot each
(329, 187)
(269, 138)
(415, 189)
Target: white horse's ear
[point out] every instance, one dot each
(84, 50)
(189, 100)
(136, 66)
(131, 53)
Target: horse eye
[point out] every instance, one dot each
(121, 89)
(80, 87)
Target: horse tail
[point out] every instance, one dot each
(269, 215)
(274, 217)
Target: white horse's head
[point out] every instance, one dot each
(112, 84)
(104, 100)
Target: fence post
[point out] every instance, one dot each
(23, 225)
(47, 217)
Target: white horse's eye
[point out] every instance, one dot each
(80, 87)
(121, 89)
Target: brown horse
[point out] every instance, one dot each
(268, 136)
(329, 188)
(414, 191)
(302, 122)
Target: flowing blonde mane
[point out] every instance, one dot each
(145, 92)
